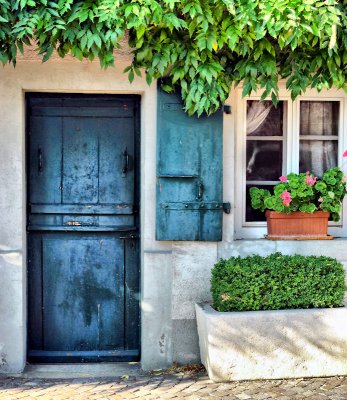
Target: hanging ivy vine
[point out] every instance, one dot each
(201, 46)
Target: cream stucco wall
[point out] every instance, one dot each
(173, 275)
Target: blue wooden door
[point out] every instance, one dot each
(83, 228)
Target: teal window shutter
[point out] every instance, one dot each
(189, 173)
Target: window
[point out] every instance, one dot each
(319, 135)
(304, 135)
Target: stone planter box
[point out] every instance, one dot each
(272, 344)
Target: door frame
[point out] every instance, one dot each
(137, 98)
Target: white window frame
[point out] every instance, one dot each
(257, 230)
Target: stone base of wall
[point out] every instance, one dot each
(272, 344)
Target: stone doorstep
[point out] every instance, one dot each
(278, 344)
(83, 371)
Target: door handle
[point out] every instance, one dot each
(125, 161)
(40, 160)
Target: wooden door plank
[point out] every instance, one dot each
(103, 209)
(35, 314)
(132, 294)
(116, 146)
(83, 292)
(112, 112)
(80, 161)
(45, 160)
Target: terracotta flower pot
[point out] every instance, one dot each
(297, 225)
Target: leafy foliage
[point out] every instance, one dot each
(306, 194)
(200, 46)
(277, 282)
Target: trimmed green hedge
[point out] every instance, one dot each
(277, 282)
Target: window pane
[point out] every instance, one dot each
(264, 119)
(318, 155)
(251, 214)
(319, 118)
(264, 160)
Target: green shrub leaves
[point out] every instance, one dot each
(199, 46)
(277, 282)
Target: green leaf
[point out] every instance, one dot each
(140, 31)
(148, 79)
(48, 54)
(131, 75)
(274, 98)
(97, 40)
(137, 71)
(84, 42)
(76, 51)
(20, 46)
(3, 58)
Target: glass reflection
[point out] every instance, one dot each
(264, 160)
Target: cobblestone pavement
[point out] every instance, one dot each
(170, 386)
